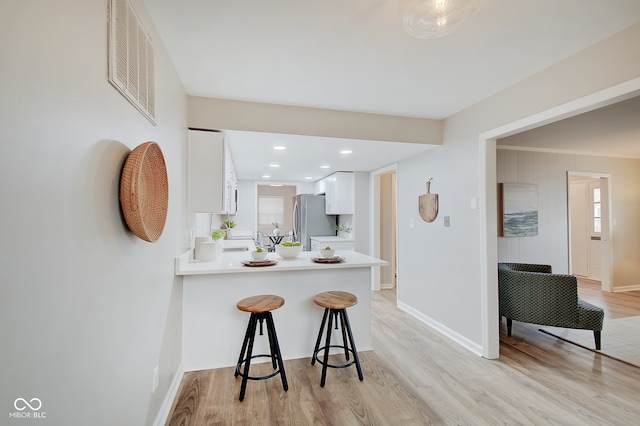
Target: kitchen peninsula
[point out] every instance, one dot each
(213, 329)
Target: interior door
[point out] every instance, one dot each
(579, 237)
(590, 233)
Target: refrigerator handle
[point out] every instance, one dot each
(296, 213)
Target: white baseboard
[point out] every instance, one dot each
(165, 409)
(626, 288)
(461, 340)
(386, 286)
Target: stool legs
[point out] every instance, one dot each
(348, 343)
(345, 318)
(274, 344)
(315, 349)
(246, 354)
(327, 345)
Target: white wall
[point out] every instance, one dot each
(445, 273)
(87, 310)
(438, 266)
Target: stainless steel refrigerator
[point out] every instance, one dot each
(310, 219)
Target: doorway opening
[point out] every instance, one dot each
(488, 182)
(385, 233)
(274, 205)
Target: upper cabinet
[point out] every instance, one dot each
(211, 179)
(321, 186)
(339, 193)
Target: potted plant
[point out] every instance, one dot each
(228, 224)
(216, 236)
(343, 231)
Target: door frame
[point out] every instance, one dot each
(375, 223)
(607, 224)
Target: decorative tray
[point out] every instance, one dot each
(266, 262)
(334, 259)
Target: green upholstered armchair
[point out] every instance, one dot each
(531, 293)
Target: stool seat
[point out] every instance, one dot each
(260, 304)
(335, 300)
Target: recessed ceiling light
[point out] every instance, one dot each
(279, 147)
(266, 176)
(346, 151)
(274, 165)
(308, 177)
(324, 167)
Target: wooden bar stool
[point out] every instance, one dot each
(260, 308)
(335, 304)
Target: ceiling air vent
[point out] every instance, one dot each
(131, 68)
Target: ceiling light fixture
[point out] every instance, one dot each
(274, 165)
(308, 177)
(324, 167)
(436, 18)
(266, 176)
(279, 148)
(346, 151)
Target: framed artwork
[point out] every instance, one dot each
(518, 210)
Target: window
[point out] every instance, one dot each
(274, 204)
(597, 211)
(270, 210)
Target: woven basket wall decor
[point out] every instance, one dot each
(144, 191)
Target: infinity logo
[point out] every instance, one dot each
(24, 404)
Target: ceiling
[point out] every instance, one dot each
(304, 156)
(617, 124)
(353, 55)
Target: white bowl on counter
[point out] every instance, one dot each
(327, 253)
(259, 255)
(288, 252)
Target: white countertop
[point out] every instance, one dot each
(230, 263)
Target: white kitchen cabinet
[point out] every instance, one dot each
(336, 243)
(339, 194)
(231, 184)
(321, 187)
(212, 186)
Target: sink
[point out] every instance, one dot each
(243, 248)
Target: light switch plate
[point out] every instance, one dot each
(447, 221)
(412, 224)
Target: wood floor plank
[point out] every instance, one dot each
(415, 376)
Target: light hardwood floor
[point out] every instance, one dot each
(415, 376)
(615, 305)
